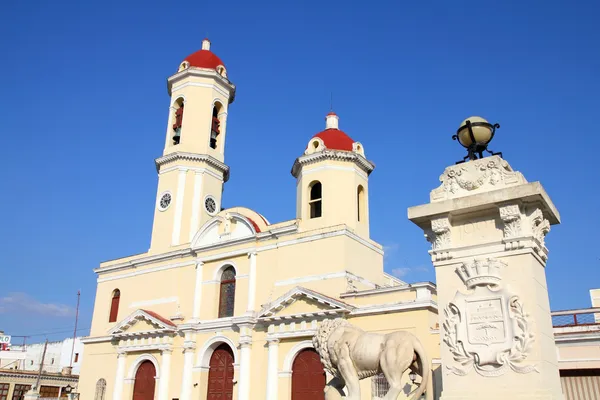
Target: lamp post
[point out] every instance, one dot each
(474, 134)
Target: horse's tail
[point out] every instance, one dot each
(426, 386)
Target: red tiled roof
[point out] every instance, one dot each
(335, 139)
(160, 318)
(204, 59)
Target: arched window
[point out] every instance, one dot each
(227, 294)
(114, 305)
(100, 389)
(215, 127)
(178, 121)
(316, 200)
(360, 202)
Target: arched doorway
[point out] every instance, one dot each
(308, 376)
(143, 389)
(220, 374)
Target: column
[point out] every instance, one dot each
(244, 384)
(176, 235)
(198, 291)
(487, 227)
(119, 376)
(272, 369)
(165, 373)
(188, 363)
(252, 283)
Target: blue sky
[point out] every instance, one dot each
(84, 107)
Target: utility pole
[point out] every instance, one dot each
(37, 383)
(75, 331)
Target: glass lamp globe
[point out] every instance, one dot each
(482, 131)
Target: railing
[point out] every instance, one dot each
(581, 317)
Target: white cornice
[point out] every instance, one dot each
(404, 288)
(394, 307)
(138, 262)
(228, 89)
(181, 155)
(96, 339)
(335, 155)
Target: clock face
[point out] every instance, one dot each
(165, 201)
(210, 205)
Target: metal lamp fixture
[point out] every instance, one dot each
(67, 389)
(474, 134)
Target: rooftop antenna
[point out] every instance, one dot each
(75, 331)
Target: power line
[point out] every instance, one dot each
(52, 333)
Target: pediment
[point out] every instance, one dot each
(302, 303)
(225, 227)
(142, 321)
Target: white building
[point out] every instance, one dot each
(58, 356)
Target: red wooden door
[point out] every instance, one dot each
(143, 388)
(308, 376)
(220, 374)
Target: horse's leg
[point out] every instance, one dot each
(348, 372)
(395, 359)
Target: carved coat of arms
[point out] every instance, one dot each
(486, 327)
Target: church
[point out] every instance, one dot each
(225, 303)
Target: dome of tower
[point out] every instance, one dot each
(332, 137)
(204, 58)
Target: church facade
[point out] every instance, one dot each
(225, 303)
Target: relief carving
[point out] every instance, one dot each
(486, 328)
(488, 173)
(539, 227)
(439, 235)
(511, 215)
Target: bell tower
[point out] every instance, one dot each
(192, 169)
(332, 181)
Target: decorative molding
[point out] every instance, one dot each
(96, 339)
(387, 289)
(138, 262)
(486, 328)
(184, 156)
(476, 176)
(395, 307)
(332, 275)
(268, 313)
(540, 227)
(440, 238)
(141, 315)
(335, 155)
(145, 271)
(511, 216)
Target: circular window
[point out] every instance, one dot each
(165, 201)
(210, 205)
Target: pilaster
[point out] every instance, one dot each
(272, 368)
(165, 374)
(198, 291)
(245, 345)
(119, 376)
(189, 349)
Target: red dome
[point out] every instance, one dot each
(204, 58)
(335, 139)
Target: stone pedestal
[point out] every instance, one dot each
(487, 226)
(31, 395)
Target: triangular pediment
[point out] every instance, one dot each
(302, 303)
(142, 321)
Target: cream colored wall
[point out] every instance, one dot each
(595, 297)
(579, 355)
(157, 287)
(339, 182)
(6, 376)
(99, 362)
